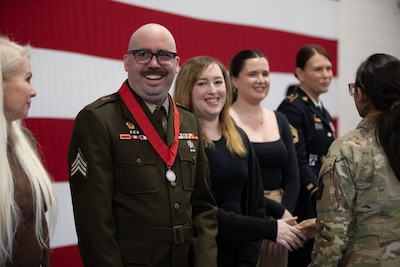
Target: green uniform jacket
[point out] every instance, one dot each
(126, 212)
(359, 206)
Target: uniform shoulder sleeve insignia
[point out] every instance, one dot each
(292, 97)
(318, 194)
(295, 134)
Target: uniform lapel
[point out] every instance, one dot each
(322, 115)
(170, 123)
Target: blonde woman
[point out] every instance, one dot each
(26, 190)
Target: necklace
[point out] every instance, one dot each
(254, 118)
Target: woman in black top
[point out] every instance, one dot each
(203, 86)
(270, 135)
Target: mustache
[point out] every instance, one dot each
(154, 72)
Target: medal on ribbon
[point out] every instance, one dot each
(168, 155)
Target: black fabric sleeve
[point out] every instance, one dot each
(274, 208)
(298, 122)
(290, 173)
(252, 202)
(245, 228)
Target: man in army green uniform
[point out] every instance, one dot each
(140, 181)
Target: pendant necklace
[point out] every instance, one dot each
(261, 122)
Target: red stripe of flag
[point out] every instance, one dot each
(102, 28)
(53, 137)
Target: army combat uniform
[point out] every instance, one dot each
(358, 204)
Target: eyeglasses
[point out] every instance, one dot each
(352, 88)
(144, 56)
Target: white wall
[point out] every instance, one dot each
(365, 27)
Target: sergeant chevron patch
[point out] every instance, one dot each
(79, 165)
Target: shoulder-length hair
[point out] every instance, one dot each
(188, 75)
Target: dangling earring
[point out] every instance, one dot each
(235, 91)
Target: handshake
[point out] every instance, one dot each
(292, 235)
(308, 227)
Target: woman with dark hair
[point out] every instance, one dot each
(312, 130)
(271, 138)
(358, 220)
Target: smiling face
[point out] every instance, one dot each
(253, 81)
(316, 76)
(18, 92)
(151, 81)
(209, 93)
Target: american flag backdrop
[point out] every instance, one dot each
(77, 49)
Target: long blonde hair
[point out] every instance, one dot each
(12, 55)
(188, 74)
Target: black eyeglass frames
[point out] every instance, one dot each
(352, 88)
(144, 56)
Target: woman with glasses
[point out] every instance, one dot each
(358, 202)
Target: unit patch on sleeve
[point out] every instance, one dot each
(295, 134)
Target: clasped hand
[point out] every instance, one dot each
(289, 236)
(292, 235)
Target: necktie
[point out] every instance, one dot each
(160, 118)
(323, 112)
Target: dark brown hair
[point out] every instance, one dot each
(306, 52)
(379, 78)
(238, 60)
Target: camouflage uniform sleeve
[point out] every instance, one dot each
(334, 200)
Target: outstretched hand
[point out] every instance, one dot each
(308, 227)
(288, 235)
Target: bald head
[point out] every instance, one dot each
(152, 31)
(151, 80)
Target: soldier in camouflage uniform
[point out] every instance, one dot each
(358, 202)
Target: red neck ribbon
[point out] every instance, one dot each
(167, 154)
